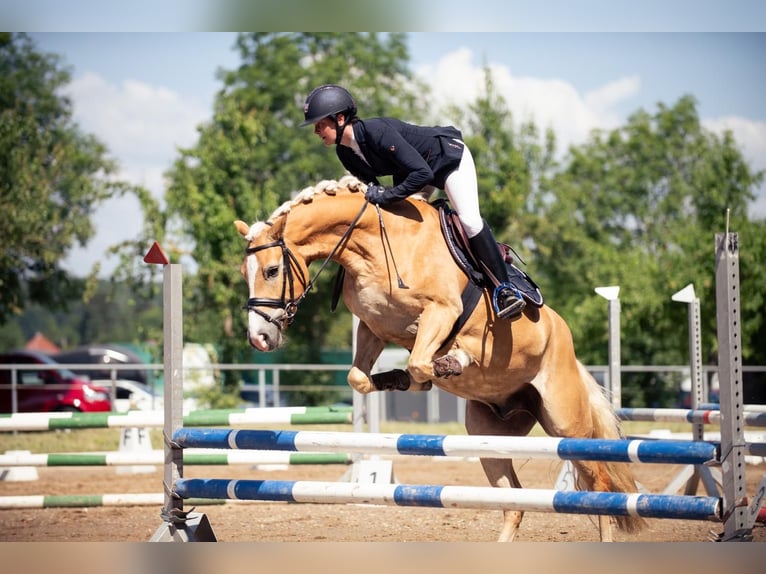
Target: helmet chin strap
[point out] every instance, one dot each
(339, 131)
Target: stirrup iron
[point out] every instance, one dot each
(514, 308)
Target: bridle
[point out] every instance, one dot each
(288, 302)
(289, 306)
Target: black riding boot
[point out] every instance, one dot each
(506, 298)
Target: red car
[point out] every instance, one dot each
(47, 389)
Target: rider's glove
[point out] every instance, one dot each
(378, 194)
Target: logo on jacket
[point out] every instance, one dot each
(392, 148)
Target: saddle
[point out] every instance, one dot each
(460, 248)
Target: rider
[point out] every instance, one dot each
(418, 157)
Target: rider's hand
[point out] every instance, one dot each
(378, 194)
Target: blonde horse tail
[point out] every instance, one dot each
(619, 476)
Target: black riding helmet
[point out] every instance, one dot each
(329, 101)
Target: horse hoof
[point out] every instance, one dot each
(447, 366)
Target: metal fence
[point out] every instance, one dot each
(267, 389)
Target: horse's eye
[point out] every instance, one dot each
(271, 272)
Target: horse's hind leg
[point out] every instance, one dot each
(480, 420)
(576, 407)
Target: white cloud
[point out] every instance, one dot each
(456, 80)
(613, 93)
(550, 102)
(142, 126)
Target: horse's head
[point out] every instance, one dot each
(276, 281)
(276, 270)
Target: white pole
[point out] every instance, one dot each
(614, 386)
(173, 360)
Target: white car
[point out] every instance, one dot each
(131, 396)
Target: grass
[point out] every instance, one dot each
(96, 440)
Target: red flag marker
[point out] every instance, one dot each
(156, 255)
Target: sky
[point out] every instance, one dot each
(144, 93)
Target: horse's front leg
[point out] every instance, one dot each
(434, 325)
(368, 349)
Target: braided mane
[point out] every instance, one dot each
(326, 187)
(329, 187)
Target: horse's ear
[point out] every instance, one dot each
(242, 227)
(278, 228)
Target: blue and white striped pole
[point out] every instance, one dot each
(476, 497)
(622, 450)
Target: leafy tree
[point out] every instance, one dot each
(638, 206)
(252, 155)
(510, 161)
(52, 178)
(112, 314)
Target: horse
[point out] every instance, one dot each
(513, 374)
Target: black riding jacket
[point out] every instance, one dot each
(416, 156)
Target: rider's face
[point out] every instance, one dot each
(325, 129)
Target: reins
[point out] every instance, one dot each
(399, 281)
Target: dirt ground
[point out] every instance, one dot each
(280, 522)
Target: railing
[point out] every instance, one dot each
(273, 394)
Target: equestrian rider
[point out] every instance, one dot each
(419, 159)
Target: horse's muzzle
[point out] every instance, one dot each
(262, 341)
(264, 332)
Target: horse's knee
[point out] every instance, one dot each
(420, 373)
(359, 381)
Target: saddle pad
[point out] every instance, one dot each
(528, 288)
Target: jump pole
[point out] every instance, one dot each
(178, 526)
(612, 294)
(482, 446)
(731, 387)
(692, 474)
(437, 496)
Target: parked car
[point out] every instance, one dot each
(132, 396)
(106, 356)
(48, 388)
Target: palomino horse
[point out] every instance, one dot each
(511, 374)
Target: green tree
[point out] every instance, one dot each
(52, 178)
(638, 207)
(112, 314)
(252, 155)
(510, 161)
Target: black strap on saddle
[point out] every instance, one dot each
(337, 287)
